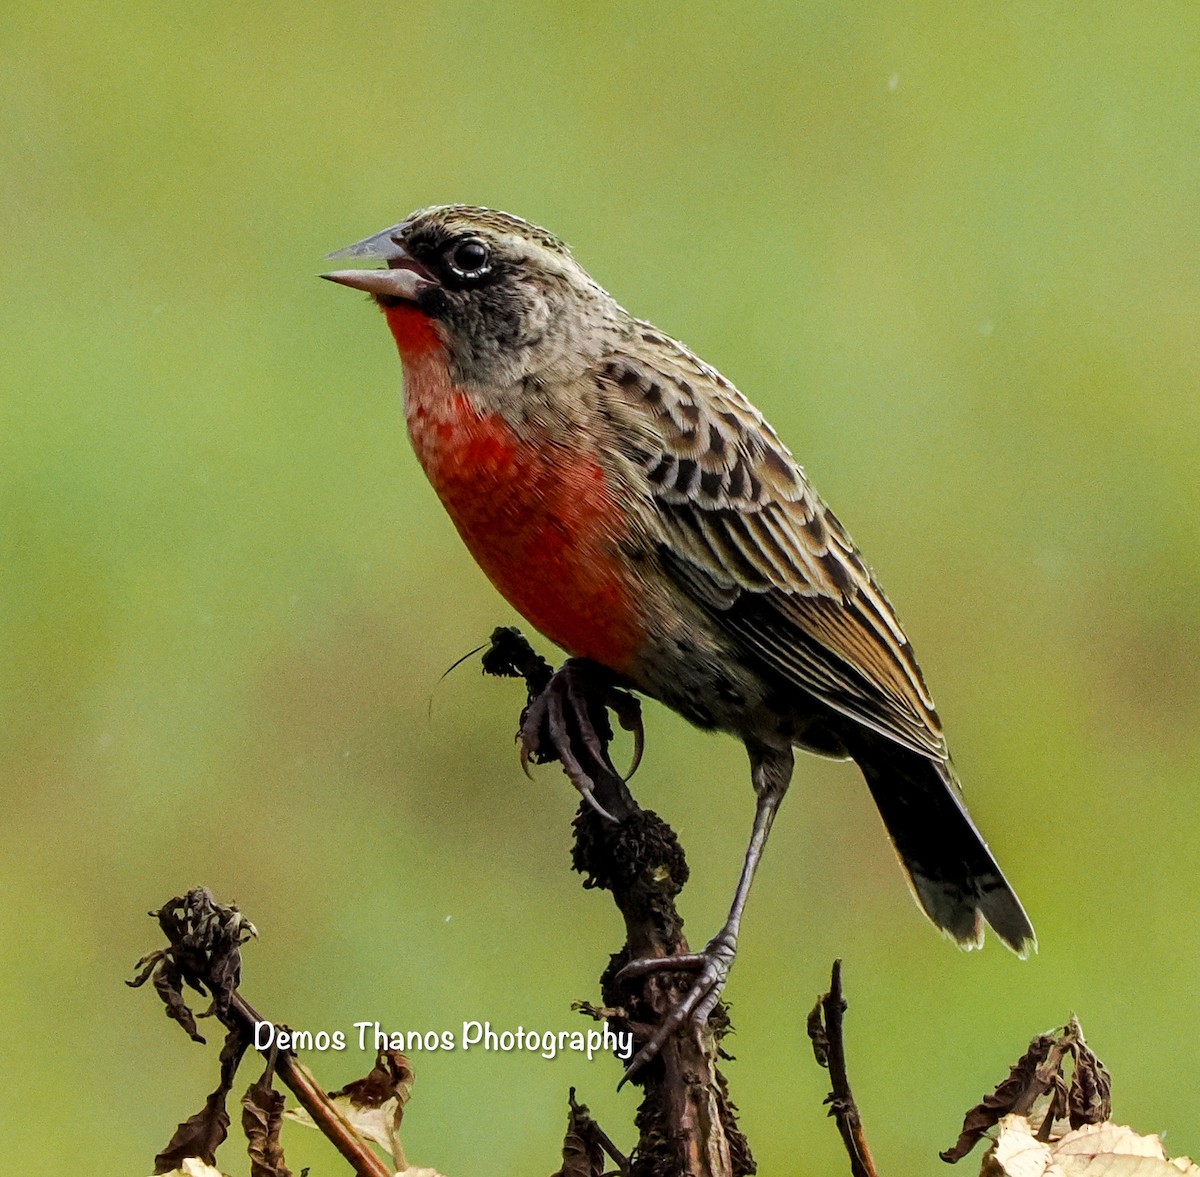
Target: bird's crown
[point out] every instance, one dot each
(440, 222)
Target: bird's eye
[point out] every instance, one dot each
(469, 258)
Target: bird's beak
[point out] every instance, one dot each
(397, 283)
(405, 278)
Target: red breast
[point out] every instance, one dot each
(540, 519)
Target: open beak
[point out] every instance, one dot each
(397, 283)
(405, 278)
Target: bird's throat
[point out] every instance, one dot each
(413, 330)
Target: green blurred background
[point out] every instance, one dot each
(951, 251)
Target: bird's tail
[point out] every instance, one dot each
(952, 872)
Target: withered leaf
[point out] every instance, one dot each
(198, 1136)
(146, 966)
(1089, 1100)
(225, 960)
(1086, 1100)
(1111, 1149)
(204, 952)
(1015, 1094)
(582, 1153)
(818, 1035)
(262, 1117)
(390, 1078)
(168, 984)
(1125, 1153)
(206, 939)
(202, 1134)
(374, 1105)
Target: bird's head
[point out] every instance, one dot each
(505, 299)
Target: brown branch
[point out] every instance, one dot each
(311, 1096)
(825, 1031)
(686, 1120)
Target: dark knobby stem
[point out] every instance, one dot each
(825, 1030)
(687, 1122)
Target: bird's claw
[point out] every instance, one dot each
(628, 710)
(712, 968)
(570, 716)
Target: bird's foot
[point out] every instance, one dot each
(712, 972)
(568, 721)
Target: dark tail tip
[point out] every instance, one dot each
(1002, 909)
(960, 908)
(954, 876)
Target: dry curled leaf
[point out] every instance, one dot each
(1090, 1098)
(818, 1036)
(168, 984)
(582, 1153)
(204, 952)
(391, 1078)
(202, 1134)
(1016, 1093)
(1085, 1099)
(262, 1117)
(374, 1105)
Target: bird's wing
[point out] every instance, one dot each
(744, 534)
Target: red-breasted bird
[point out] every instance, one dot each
(636, 508)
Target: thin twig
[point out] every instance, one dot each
(825, 1030)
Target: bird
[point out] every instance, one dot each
(639, 511)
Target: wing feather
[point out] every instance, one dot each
(741, 531)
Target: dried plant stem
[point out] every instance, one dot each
(825, 1030)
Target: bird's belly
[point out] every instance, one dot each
(541, 522)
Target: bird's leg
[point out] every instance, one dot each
(771, 772)
(568, 721)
